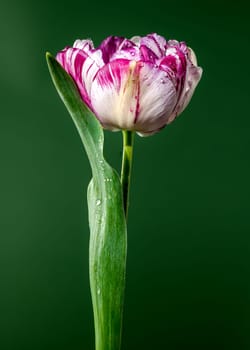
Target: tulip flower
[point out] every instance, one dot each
(137, 85)
(141, 84)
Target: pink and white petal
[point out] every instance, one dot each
(76, 62)
(175, 64)
(61, 58)
(193, 76)
(172, 42)
(91, 66)
(131, 54)
(114, 94)
(136, 40)
(113, 45)
(147, 55)
(155, 43)
(85, 45)
(72, 60)
(192, 56)
(64, 57)
(126, 50)
(157, 99)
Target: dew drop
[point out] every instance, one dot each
(156, 65)
(162, 81)
(98, 291)
(132, 53)
(98, 202)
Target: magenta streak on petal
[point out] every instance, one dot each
(126, 45)
(183, 47)
(113, 46)
(61, 59)
(137, 108)
(109, 47)
(147, 54)
(76, 73)
(73, 66)
(112, 73)
(87, 72)
(137, 73)
(170, 61)
(79, 61)
(175, 64)
(151, 36)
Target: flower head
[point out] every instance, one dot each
(140, 84)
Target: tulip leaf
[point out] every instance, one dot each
(108, 237)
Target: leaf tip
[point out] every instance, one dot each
(49, 57)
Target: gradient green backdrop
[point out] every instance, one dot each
(188, 259)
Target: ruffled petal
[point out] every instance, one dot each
(192, 78)
(156, 43)
(157, 98)
(133, 96)
(72, 60)
(82, 66)
(147, 55)
(93, 63)
(175, 64)
(85, 45)
(115, 47)
(136, 40)
(114, 94)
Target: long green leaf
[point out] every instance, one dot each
(108, 237)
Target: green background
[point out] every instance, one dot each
(188, 259)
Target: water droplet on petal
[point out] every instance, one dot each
(98, 202)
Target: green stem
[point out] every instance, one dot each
(127, 156)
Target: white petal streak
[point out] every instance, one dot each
(156, 43)
(91, 66)
(157, 99)
(84, 45)
(114, 94)
(192, 56)
(192, 78)
(136, 40)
